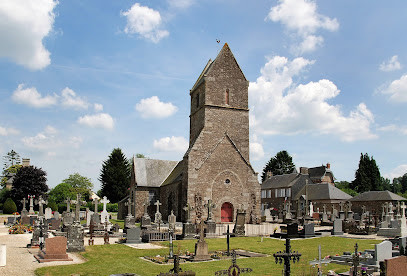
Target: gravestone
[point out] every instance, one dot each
(25, 219)
(78, 202)
(31, 211)
(311, 209)
(341, 211)
(89, 217)
(292, 230)
(35, 241)
(158, 216)
(402, 245)
(403, 222)
(75, 237)
(201, 247)
(24, 211)
(172, 219)
(67, 218)
(308, 230)
(95, 218)
(130, 220)
(133, 235)
(145, 219)
(55, 224)
(104, 215)
(11, 220)
(240, 222)
(350, 212)
(337, 227)
(383, 251)
(41, 203)
(55, 250)
(48, 213)
(56, 215)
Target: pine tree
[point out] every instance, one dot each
(281, 163)
(367, 176)
(115, 176)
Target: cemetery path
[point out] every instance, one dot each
(19, 259)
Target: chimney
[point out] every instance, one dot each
(328, 166)
(269, 174)
(303, 170)
(26, 162)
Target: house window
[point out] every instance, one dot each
(227, 96)
(263, 194)
(268, 193)
(288, 192)
(283, 192)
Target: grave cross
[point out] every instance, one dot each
(158, 204)
(341, 206)
(78, 202)
(210, 205)
(145, 205)
(31, 197)
(227, 240)
(319, 262)
(188, 210)
(104, 201)
(96, 203)
(403, 210)
(41, 203)
(287, 256)
(201, 231)
(349, 206)
(324, 207)
(24, 201)
(129, 204)
(68, 205)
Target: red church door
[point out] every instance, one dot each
(227, 212)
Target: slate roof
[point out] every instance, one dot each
(284, 181)
(175, 175)
(378, 196)
(152, 172)
(321, 191)
(319, 172)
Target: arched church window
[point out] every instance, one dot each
(227, 96)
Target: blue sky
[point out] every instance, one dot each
(328, 79)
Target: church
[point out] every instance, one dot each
(216, 167)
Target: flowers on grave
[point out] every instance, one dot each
(157, 259)
(19, 229)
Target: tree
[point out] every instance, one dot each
(345, 187)
(10, 159)
(400, 184)
(9, 206)
(367, 176)
(115, 176)
(80, 184)
(6, 172)
(29, 180)
(282, 163)
(61, 192)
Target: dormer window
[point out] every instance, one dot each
(227, 96)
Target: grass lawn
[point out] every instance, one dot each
(117, 258)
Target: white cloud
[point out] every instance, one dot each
(144, 21)
(31, 97)
(98, 107)
(23, 26)
(50, 130)
(391, 65)
(70, 99)
(75, 141)
(8, 131)
(256, 150)
(396, 172)
(100, 120)
(180, 4)
(154, 108)
(177, 144)
(397, 90)
(301, 17)
(303, 108)
(394, 128)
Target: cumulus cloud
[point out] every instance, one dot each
(31, 97)
(390, 65)
(302, 18)
(49, 142)
(394, 128)
(176, 144)
(23, 26)
(71, 100)
(397, 90)
(100, 120)
(302, 108)
(98, 107)
(154, 108)
(145, 22)
(397, 172)
(4, 131)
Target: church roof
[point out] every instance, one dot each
(152, 172)
(225, 49)
(321, 191)
(378, 196)
(175, 175)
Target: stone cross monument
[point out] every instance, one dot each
(78, 202)
(68, 205)
(210, 205)
(31, 211)
(41, 203)
(104, 215)
(188, 210)
(158, 217)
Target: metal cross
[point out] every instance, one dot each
(227, 240)
(287, 256)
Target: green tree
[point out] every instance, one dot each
(281, 163)
(9, 206)
(61, 192)
(29, 180)
(400, 184)
(80, 184)
(367, 176)
(345, 187)
(10, 159)
(10, 170)
(115, 176)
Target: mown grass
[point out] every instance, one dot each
(117, 258)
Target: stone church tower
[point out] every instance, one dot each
(216, 165)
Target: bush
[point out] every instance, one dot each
(53, 206)
(9, 206)
(112, 207)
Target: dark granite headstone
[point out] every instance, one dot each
(292, 230)
(308, 230)
(337, 228)
(188, 230)
(133, 235)
(240, 223)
